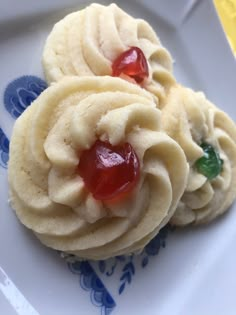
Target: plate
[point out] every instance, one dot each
(189, 271)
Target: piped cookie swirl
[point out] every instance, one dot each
(48, 191)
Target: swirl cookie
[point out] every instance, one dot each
(208, 137)
(104, 40)
(90, 172)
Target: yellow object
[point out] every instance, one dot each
(227, 13)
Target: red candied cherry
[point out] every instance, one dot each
(132, 63)
(109, 172)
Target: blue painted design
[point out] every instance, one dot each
(129, 263)
(4, 149)
(89, 281)
(112, 266)
(128, 272)
(144, 261)
(154, 246)
(102, 266)
(21, 92)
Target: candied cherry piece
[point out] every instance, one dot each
(132, 63)
(109, 172)
(210, 164)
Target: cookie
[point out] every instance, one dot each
(208, 137)
(89, 42)
(47, 190)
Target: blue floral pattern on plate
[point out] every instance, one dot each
(89, 281)
(129, 263)
(21, 92)
(18, 95)
(4, 149)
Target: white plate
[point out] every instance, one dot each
(195, 273)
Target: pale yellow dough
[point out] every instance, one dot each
(190, 119)
(86, 42)
(46, 190)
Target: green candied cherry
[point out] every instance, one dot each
(210, 164)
